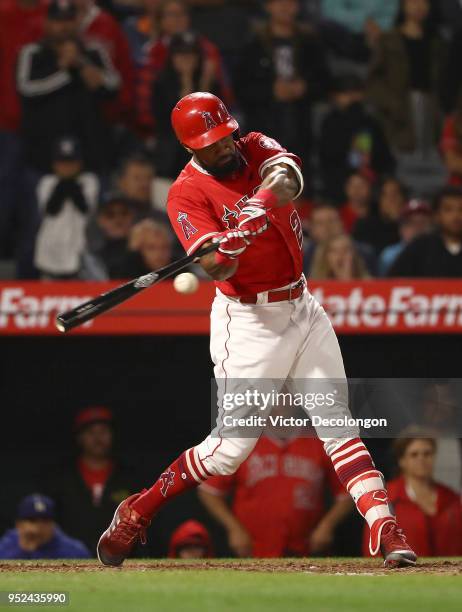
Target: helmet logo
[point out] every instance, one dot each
(209, 120)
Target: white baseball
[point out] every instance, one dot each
(186, 283)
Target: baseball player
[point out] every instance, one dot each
(265, 324)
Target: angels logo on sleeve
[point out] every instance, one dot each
(186, 225)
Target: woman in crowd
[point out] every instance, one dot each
(338, 259)
(429, 513)
(404, 79)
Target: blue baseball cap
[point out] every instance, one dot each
(36, 506)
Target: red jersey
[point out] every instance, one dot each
(279, 493)
(18, 26)
(201, 206)
(95, 480)
(439, 535)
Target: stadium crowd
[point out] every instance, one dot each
(367, 93)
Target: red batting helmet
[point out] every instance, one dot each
(201, 119)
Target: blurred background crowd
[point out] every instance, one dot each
(367, 93)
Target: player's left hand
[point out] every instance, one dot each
(253, 219)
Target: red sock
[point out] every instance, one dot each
(183, 474)
(358, 474)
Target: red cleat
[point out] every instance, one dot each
(126, 528)
(395, 550)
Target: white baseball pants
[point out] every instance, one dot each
(289, 340)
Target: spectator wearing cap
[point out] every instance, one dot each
(439, 253)
(173, 18)
(282, 72)
(186, 70)
(190, 540)
(66, 199)
(88, 490)
(380, 227)
(415, 221)
(36, 534)
(99, 28)
(351, 139)
(62, 83)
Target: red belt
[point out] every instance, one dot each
(278, 295)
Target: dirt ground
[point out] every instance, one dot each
(314, 566)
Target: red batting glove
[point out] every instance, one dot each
(232, 244)
(253, 219)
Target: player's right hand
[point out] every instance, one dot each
(281, 182)
(232, 243)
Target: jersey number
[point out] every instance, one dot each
(296, 225)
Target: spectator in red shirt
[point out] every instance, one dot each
(278, 500)
(429, 513)
(21, 22)
(98, 26)
(190, 540)
(173, 19)
(451, 147)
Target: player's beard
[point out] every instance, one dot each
(225, 169)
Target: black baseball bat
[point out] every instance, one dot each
(104, 302)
